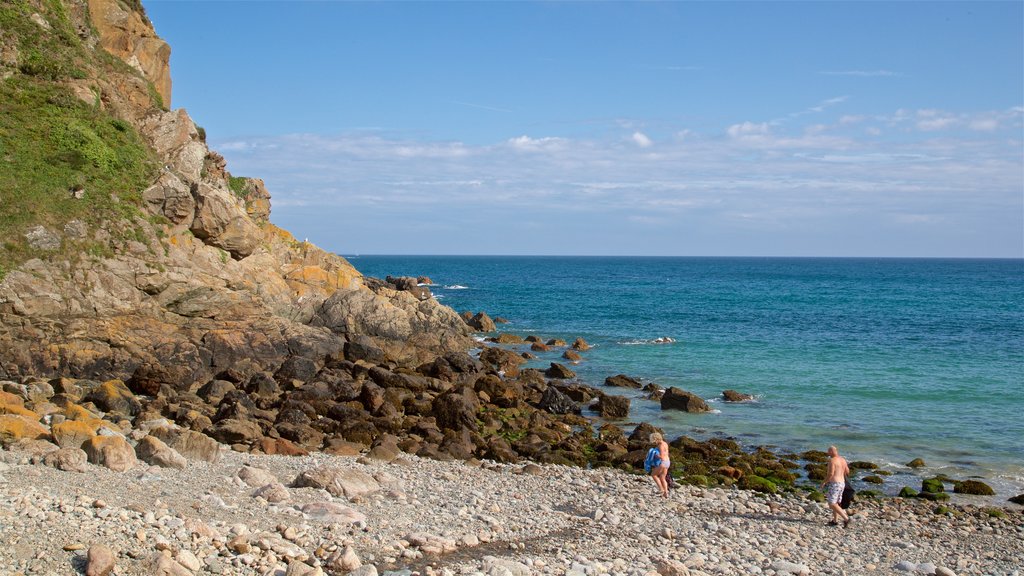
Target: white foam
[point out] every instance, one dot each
(658, 340)
(456, 287)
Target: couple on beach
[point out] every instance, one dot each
(657, 463)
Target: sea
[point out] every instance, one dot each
(888, 359)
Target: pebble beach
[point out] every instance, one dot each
(400, 514)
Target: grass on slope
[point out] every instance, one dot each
(52, 143)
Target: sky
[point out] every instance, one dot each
(829, 128)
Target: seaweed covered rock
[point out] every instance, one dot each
(975, 487)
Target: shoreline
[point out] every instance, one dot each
(430, 517)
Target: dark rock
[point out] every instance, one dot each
(622, 381)
(873, 479)
(232, 431)
(262, 384)
(534, 339)
(555, 342)
(862, 465)
(1018, 499)
(640, 438)
(301, 434)
(916, 463)
(215, 390)
(463, 362)
(502, 393)
(610, 406)
(149, 377)
(539, 347)
(556, 402)
(500, 320)
(457, 408)
(678, 399)
(734, 396)
(934, 496)
(975, 487)
(363, 348)
(296, 368)
(560, 372)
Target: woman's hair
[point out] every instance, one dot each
(656, 438)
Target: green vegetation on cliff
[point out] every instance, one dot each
(55, 146)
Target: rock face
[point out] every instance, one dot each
(197, 280)
(677, 399)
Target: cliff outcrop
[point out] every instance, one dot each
(185, 278)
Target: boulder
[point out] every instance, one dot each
(115, 397)
(72, 433)
(332, 513)
(152, 450)
(932, 486)
(975, 487)
(502, 392)
(342, 482)
(734, 396)
(67, 459)
(506, 338)
(559, 371)
(572, 356)
(504, 361)
(609, 406)
(189, 443)
(622, 381)
(15, 427)
(255, 477)
(581, 345)
(456, 408)
(112, 452)
(236, 431)
(1018, 499)
(100, 560)
(481, 322)
(916, 463)
(678, 399)
(557, 402)
(273, 492)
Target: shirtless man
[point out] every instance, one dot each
(835, 481)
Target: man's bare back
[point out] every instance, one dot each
(838, 468)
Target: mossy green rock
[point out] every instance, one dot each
(815, 471)
(975, 487)
(758, 484)
(815, 496)
(908, 492)
(916, 463)
(869, 494)
(873, 479)
(862, 465)
(932, 486)
(941, 510)
(934, 496)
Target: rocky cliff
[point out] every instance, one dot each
(178, 281)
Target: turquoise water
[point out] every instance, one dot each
(890, 359)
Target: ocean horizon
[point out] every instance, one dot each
(889, 358)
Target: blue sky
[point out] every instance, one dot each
(618, 128)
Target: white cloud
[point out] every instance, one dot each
(641, 139)
(747, 129)
(527, 144)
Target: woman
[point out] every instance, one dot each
(660, 471)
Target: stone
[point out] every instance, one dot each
(112, 452)
(505, 361)
(100, 560)
(152, 450)
(68, 459)
(787, 567)
(572, 356)
(670, 567)
(557, 402)
(581, 345)
(975, 487)
(457, 408)
(481, 322)
(943, 571)
(907, 492)
(115, 397)
(609, 406)
(734, 396)
(255, 477)
(161, 564)
(622, 381)
(41, 238)
(678, 399)
(237, 431)
(932, 486)
(916, 463)
(1018, 499)
(559, 371)
(15, 427)
(296, 568)
(345, 482)
(905, 566)
(344, 560)
(332, 513)
(274, 493)
(190, 444)
(72, 433)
